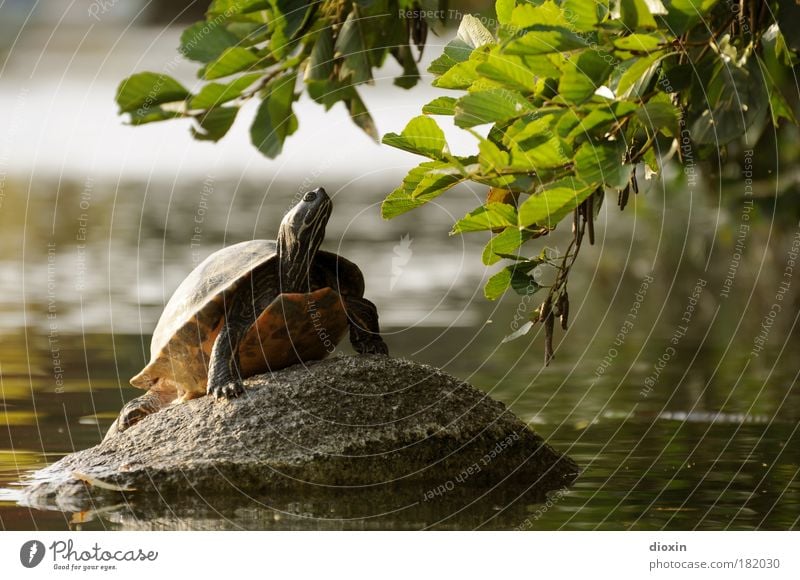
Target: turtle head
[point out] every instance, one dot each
(300, 236)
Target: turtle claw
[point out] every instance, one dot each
(372, 347)
(228, 390)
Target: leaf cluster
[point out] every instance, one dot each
(264, 49)
(566, 98)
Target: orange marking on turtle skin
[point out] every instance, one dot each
(294, 328)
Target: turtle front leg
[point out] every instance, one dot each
(365, 333)
(224, 376)
(243, 308)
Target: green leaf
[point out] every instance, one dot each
(508, 69)
(492, 158)
(232, 60)
(250, 32)
(410, 75)
(361, 117)
(455, 52)
(503, 9)
(738, 99)
(215, 123)
(656, 7)
(503, 244)
(206, 41)
(684, 14)
(274, 120)
(659, 114)
(527, 15)
(320, 63)
(498, 284)
(286, 19)
(677, 77)
(440, 106)
(568, 122)
(534, 145)
(634, 81)
(553, 203)
(641, 42)
(636, 15)
(421, 136)
(651, 161)
(146, 90)
(151, 115)
(778, 106)
(540, 153)
(487, 217)
(329, 92)
(543, 66)
(215, 94)
(584, 15)
(350, 47)
(462, 75)
(422, 184)
(545, 39)
(603, 163)
(436, 181)
(516, 277)
(492, 106)
(774, 41)
(538, 125)
(231, 7)
(593, 124)
(398, 203)
(582, 76)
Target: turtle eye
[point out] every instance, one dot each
(310, 196)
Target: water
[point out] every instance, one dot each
(705, 439)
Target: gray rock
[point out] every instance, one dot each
(339, 428)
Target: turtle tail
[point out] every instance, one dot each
(144, 380)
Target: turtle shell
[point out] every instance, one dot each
(293, 328)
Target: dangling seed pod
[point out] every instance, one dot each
(548, 320)
(563, 308)
(622, 198)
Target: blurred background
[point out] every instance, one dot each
(675, 387)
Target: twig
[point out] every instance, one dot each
(558, 291)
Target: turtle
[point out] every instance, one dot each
(253, 307)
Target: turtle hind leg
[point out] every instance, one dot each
(137, 409)
(365, 334)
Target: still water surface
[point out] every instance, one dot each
(675, 424)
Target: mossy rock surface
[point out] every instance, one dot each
(346, 426)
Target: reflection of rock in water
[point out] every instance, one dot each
(395, 508)
(350, 442)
